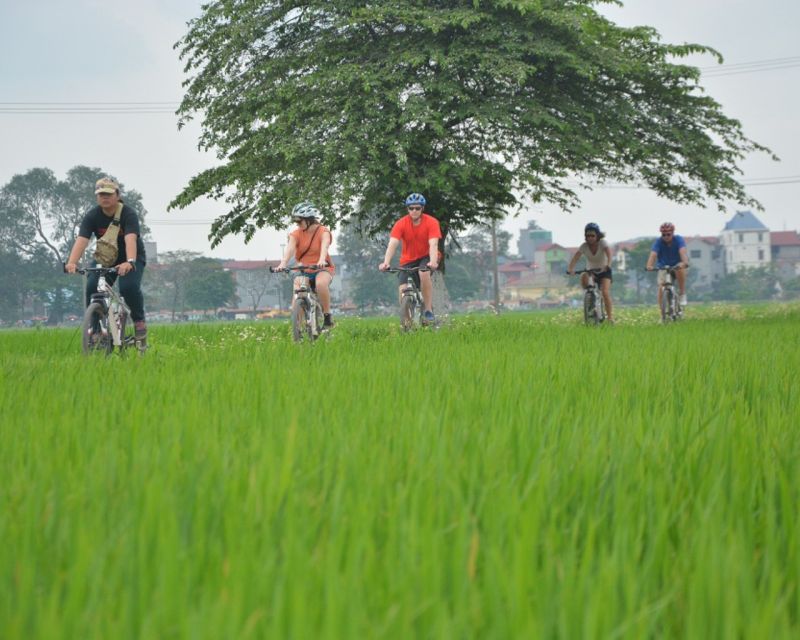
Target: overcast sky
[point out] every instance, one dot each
(93, 51)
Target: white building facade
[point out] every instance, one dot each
(745, 243)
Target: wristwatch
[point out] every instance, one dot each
(132, 262)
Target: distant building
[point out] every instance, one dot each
(705, 258)
(620, 252)
(552, 258)
(522, 282)
(745, 242)
(785, 251)
(531, 238)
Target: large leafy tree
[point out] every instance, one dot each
(476, 103)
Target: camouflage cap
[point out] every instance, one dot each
(106, 185)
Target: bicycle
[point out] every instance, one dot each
(107, 320)
(307, 316)
(594, 308)
(671, 309)
(411, 298)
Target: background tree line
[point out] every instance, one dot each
(39, 220)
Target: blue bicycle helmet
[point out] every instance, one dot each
(592, 226)
(416, 198)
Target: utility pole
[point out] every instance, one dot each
(494, 268)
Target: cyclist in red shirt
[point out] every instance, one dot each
(419, 233)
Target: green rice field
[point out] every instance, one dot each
(519, 476)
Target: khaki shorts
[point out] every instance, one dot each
(663, 275)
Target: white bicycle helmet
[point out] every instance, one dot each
(305, 210)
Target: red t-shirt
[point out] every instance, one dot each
(415, 238)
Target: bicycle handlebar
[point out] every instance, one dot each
(301, 267)
(85, 270)
(405, 269)
(674, 267)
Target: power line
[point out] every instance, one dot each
(751, 67)
(751, 182)
(737, 65)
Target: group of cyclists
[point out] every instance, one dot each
(417, 232)
(668, 250)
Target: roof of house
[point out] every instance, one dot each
(745, 221)
(548, 246)
(784, 239)
(247, 265)
(627, 245)
(707, 239)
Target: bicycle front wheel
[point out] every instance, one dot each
(319, 320)
(127, 332)
(667, 304)
(407, 308)
(300, 327)
(96, 336)
(589, 309)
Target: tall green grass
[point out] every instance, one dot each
(520, 476)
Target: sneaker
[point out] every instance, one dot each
(428, 317)
(683, 300)
(328, 323)
(140, 334)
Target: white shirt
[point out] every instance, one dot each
(595, 260)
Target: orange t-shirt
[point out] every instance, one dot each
(309, 245)
(415, 238)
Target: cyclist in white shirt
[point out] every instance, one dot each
(598, 256)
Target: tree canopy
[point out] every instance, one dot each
(476, 103)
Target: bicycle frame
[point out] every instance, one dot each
(115, 307)
(304, 292)
(593, 298)
(116, 310)
(411, 292)
(670, 301)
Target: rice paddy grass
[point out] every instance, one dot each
(519, 476)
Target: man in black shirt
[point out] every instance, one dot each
(131, 258)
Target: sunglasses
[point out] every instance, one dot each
(666, 235)
(415, 208)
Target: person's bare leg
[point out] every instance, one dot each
(605, 287)
(324, 291)
(427, 290)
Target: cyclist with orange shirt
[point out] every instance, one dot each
(419, 234)
(309, 245)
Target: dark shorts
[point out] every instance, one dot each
(402, 277)
(603, 275)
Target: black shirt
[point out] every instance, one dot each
(96, 222)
